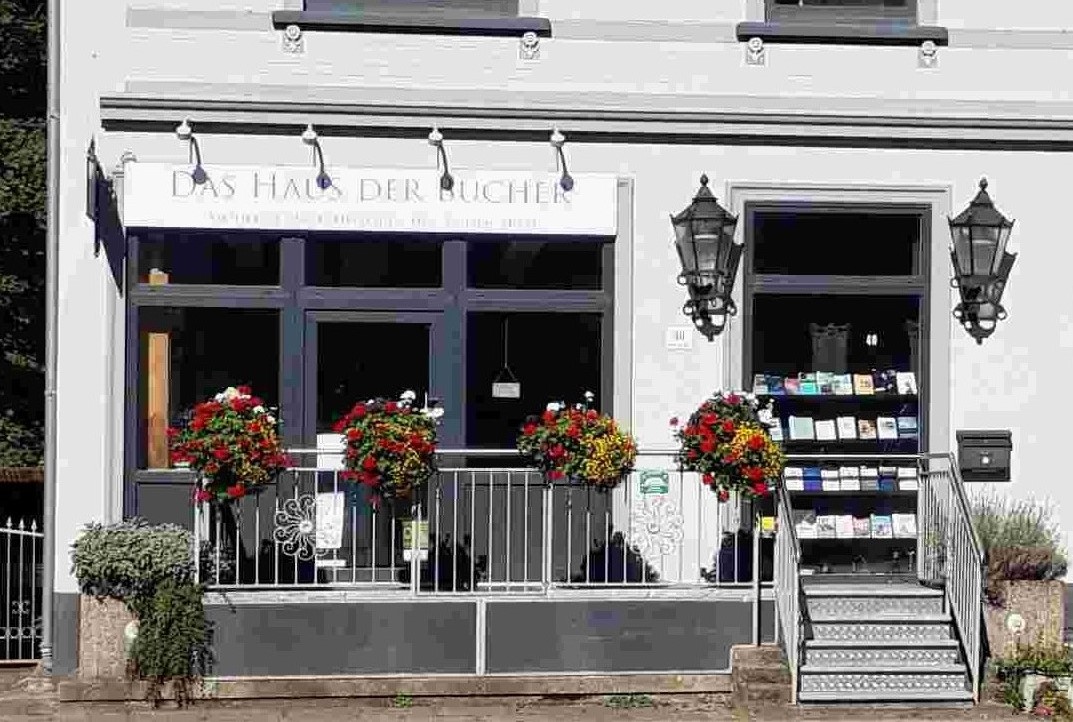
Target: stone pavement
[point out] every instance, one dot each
(716, 709)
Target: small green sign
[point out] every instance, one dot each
(408, 529)
(655, 481)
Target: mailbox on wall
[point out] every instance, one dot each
(984, 455)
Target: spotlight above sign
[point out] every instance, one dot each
(164, 195)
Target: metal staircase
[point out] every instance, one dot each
(908, 640)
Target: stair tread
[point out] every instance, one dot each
(879, 644)
(882, 619)
(935, 669)
(892, 591)
(899, 696)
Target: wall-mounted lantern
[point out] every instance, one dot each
(981, 264)
(704, 238)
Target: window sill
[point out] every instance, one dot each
(410, 25)
(842, 34)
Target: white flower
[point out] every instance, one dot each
(589, 396)
(258, 409)
(408, 396)
(270, 418)
(433, 413)
(555, 406)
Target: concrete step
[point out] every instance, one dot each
(880, 683)
(854, 653)
(890, 629)
(900, 697)
(874, 601)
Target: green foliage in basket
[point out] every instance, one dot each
(129, 559)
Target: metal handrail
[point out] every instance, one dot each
(787, 585)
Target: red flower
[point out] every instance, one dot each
(339, 425)
(198, 423)
(756, 443)
(368, 463)
(221, 453)
(692, 454)
(591, 415)
(709, 419)
(760, 488)
(236, 491)
(723, 495)
(728, 426)
(548, 416)
(707, 479)
(557, 451)
(573, 432)
(358, 411)
(202, 495)
(391, 407)
(529, 429)
(244, 390)
(555, 474)
(354, 434)
(707, 445)
(753, 473)
(733, 399)
(674, 421)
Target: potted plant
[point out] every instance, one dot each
(578, 444)
(726, 440)
(1037, 678)
(390, 447)
(1025, 562)
(232, 441)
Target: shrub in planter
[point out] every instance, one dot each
(578, 444)
(134, 571)
(1036, 677)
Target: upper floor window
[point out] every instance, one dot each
(842, 11)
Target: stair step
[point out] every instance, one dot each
(904, 696)
(886, 682)
(946, 669)
(871, 590)
(894, 630)
(881, 618)
(863, 605)
(856, 653)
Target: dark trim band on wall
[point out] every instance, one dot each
(412, 25)
(832, 33)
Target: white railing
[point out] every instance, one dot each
(788, 587)
(950, 554)
(478, 529)
(20, 591)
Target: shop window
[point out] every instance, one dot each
(836, 244)
(374, 262)
(492, 8)
(183, 257)
(549, 356)
(188, 355)
(535, 264)
(845, 11)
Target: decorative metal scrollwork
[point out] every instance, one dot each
(296, 526)
(657, 526)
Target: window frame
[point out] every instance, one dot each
(840, 14)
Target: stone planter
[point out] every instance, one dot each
(1031, 682)
(102, 642)
(1031, 613)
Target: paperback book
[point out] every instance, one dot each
(842, 385)
(825, 430)
(907, 427)
(792, 386)
(904, 526)
(807, 385)
(802, 428)
(805, 523)
(886, 427)
(863, 384)
(826, 526)
(847, 427)
(907, 383)
(830, 479)
(882, 526)
(825, 382)
(862, 527)
(844, 526)
(760, 387)
(866, 429)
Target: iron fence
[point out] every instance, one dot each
(479, 526)
(21, 546)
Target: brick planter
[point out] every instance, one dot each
(102, 652)
(1031, 612)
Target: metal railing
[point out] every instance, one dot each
(950, 553)
(478, 526)
(20, 591)
(788, 587)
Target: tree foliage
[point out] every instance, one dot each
(22, 230)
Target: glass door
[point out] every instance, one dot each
(353, 356)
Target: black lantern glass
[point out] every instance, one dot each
(981, 264)
(704, 239)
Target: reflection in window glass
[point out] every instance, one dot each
(374, 261)
(553, 265)
(852, 244)
(202, 257)
(189, 355)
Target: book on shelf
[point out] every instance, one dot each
(794, 483)
(844, 526)
(886, 427)
(825, 526)
(904, 526)
(886, 471)
(775, 386)
(806, 385)
(775, 430)
(866, 429)
(887, 483)
(882, 526)
(907, 427)
(849, 478)
(825, 430)
(907, 383)
(885, 382)
(760, 384)
(802, 428)
(907, 472)
(825, 382)
(908, 485)
(862, 527)
(869, 478)
(847, 427)
(805, 523)
(842, 384)
(863, 384)
(829, 480)
(792, 385)
(813, 484)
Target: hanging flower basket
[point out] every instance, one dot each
(390, 446)
(233, 442)
(727, 441)
(578, 444)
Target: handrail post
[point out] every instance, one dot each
(756, 573)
